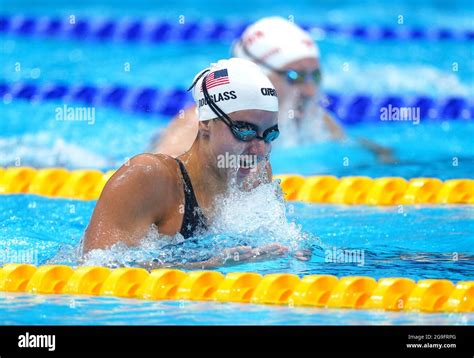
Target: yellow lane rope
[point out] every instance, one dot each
(88, 184)
(356, 292)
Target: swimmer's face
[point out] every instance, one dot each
(222, 141)
(300, 92)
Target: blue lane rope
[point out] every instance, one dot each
(168, 102)
(156, 31)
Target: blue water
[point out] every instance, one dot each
(426, 13)
(25, 309)
(414, 242)
(408, 241)
(376, 68)
(175, 64)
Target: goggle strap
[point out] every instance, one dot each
(214, 107)
(256, 59)
(197, 79)
(261, 62)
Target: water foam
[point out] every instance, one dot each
(41, 150)
(255, 218)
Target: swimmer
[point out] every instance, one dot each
(238, 117)
(290, 58)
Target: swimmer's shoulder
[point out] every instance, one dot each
(151, 168)
(147, 178)
(140, 193)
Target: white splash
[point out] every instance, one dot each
(39, 150)
(256, 218)
(259, 216)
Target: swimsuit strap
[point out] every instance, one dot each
(193, 219)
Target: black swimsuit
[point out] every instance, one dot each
(193, 218)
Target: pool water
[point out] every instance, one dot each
(26, 309)
(406, 241)
(401, 241)
(439, 149)
(415, 242)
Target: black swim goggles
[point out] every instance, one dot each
(243, 131)
(291, 76)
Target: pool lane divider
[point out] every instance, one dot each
(324, 291)
(151, 101)
(362, 190)
(86, 184)
(153, 30)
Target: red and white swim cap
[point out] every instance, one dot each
(276, 42)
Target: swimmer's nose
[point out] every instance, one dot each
(259, 148)
(308, 89)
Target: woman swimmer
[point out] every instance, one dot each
(238, 114)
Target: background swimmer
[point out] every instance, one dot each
(290, 58)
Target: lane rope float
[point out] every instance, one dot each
(154, 30)
(353, 190)
(325, 291)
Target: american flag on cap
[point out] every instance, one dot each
(217, 78)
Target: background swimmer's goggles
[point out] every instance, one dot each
(296, 77)
(243, 131)
(292, 76)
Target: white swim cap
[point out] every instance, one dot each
(234, 85)
(276, 42)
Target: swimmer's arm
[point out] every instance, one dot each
(230, 257)
(180, 134)
(241, 254)
(382, 153)
(337, 133)
(127, 206)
